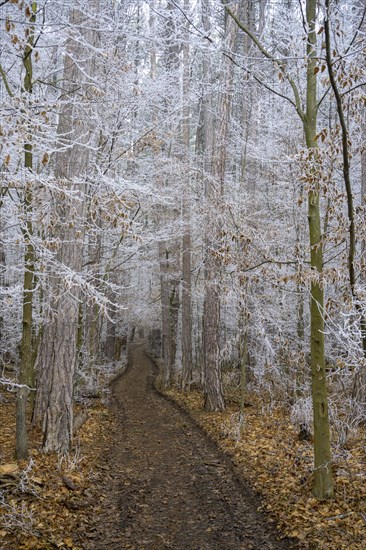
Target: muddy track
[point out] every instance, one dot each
(165, 483)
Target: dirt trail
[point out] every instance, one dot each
(167, 486)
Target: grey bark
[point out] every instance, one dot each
(169, 249)
(214, 399)
(212, 376)
(186, 378)
(26, 367)
(58, 351)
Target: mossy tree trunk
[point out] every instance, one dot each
(323, 483)
(323, 480)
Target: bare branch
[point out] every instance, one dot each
(353, 88)
(280, 63)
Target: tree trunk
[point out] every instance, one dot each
(58, 353)
(57, 360)
(26, 376)
(214, 399)
(170, 304)
(323, 484)
(186, 377)
(359, 385)
(169, 250)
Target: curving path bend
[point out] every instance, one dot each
(168, 486)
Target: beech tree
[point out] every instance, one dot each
(323, 485)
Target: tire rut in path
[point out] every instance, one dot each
(168, 486)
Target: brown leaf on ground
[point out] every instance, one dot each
(269, 454)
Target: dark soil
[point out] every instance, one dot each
(167, 486)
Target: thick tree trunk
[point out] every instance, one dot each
(58, 353)
(57, 362)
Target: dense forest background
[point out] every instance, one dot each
(193, 173)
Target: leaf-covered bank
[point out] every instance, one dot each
(269, 454)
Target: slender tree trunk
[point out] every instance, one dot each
(323, 484)
(214, 399)
(359, 388)
(347, 182)
(243, 359)
(169, 284)
(186, 378)
(169, 250)
(26, 376)
(111, 341)
(2, 278)
(167, 343)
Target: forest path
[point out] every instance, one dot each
(167, 486)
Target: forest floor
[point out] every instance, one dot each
(151, 479)
(154, 472)
(172, 488)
